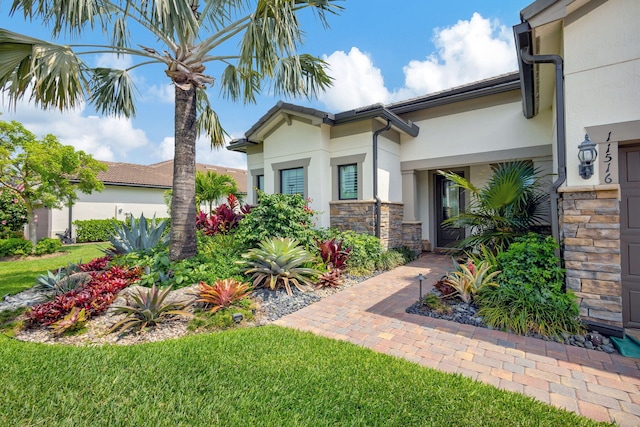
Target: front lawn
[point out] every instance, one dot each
(18, 275)
(267, 376)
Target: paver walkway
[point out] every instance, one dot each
(372, 314)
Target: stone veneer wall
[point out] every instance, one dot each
(590, 227)
(359, 216)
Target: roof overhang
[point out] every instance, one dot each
(378, 111)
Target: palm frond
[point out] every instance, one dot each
(112, 92)
(301, 75)
(208, 122)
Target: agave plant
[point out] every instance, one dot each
(139, 236)
(63, 280)
(277, 262)
(147, 308)
(223, 293)
(470, 279)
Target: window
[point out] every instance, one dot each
(292, 181)
(260, 182)
(348, 178)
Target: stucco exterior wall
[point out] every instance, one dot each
(389, 173)
(598, 86)
(112, 202)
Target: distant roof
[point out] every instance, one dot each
(160, 175)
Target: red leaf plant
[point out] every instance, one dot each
(94, 297)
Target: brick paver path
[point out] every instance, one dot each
(372, 314)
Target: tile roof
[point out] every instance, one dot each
(160, 175)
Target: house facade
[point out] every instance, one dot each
(128, 189)
(374, 169)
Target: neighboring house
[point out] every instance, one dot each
(373, 169)
(128, 189)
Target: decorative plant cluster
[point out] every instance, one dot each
(139, 236)
(147, 308)
(222, 294)
(335, 258)
(278, 262)
(518, 290)
(222, 219)
(94, 297)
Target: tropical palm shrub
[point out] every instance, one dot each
(211, 187)
(468, 280)
(511, 203)
(147, 308)
(139, 236)
(222, 294)
(531, 298)
(278, 262)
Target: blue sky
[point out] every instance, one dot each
(379, 51)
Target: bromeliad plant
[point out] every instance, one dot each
(71, 322)
(222, 219)
(469, 280)
(223, 293)
(277, 262)
(335, 258)
(147, 308)
(139, 236)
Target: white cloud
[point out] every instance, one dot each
(111, 60)
(106, 138)
(466, 52)
(357, 81)
(162, 93)
(166, 148)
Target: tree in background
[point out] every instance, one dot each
(253, 40)
(13, 214)
(37, 171)
(212, 188)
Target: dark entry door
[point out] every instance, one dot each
(630, 234)
(449, 203)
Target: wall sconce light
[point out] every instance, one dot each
(587, 155)
(420, 278)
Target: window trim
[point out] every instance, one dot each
(293, 164)
(255, 173)
(358, 160)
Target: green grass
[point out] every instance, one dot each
(16, 276)
(265, 376)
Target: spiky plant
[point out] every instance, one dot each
(139, 236)
(277, 262)
(74, 320)
(147, 308)
(223, 293)
(470, 279)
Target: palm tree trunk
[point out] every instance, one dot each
(183, 202)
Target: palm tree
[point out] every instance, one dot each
(511, 203)
(188, 34)
(211, 187)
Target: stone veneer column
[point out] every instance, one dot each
(359, 216)
(590, 229)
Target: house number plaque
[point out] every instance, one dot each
(608, 155)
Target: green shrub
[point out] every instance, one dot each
(530, 298)
(13, 214)
(278, 215)
(366, 250)
(15, 246)
(48, 246)
(390, 259)
(95, 230)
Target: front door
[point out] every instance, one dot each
(630, 234)
(449, 203)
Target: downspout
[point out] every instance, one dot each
(560, 133)
(376, 196)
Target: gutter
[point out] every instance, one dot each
(522, 34)
(376, 196)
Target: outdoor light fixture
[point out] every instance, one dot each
(237, 317)
(587, 155)
(420, 278)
